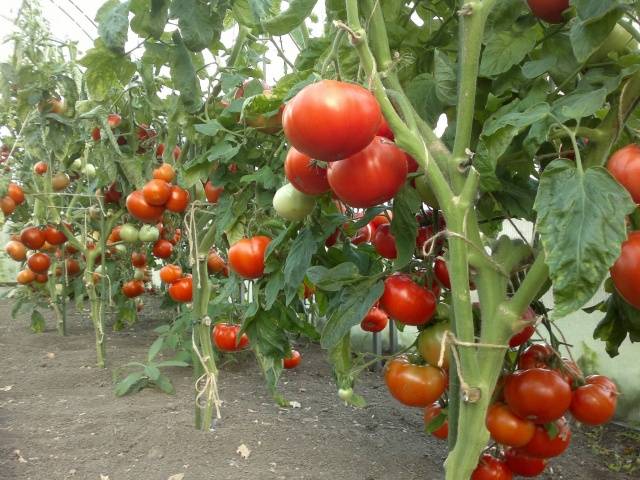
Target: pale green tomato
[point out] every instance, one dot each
(138, 274)
(345, 394)
(76, 166)
(292, 204)
(89, 170)
(148, 233)
(618, 41)
(129, 233)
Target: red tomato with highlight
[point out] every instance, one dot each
(293, 360)
(406, 301)
(178, 200)
(181, 290)
(507, 428)
(164, 172)
(32, 237)
(304, 174)
(212, 192)
(384, 242)
(225, 337)
(138, 207)
(414, 385)
(371, 176)
(138, 259)
(537, 394)
(170, 273)
(156, 192)
(538, 355)
(39, 262)
(331, 120)
(542, 445)
(375, 320)
(442, 273)
(54, 236)
(490, 468)
(625, 273)
(133, 288)
(162, 248)
(594, 404)
(246, 257)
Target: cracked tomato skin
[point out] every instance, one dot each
(331, 120)
(549, 10)
(625, 273)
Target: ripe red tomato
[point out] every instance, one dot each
(178, 200)
(537, 355)
(406, 301)
(293, 360)
(380, 220)
(375, 320)
(39, 262)
(95, 134)
(133, 288)
(141, 210)
(212, 192)
(42, 277)
(114, 120)
(54, 236)
(111, 194)
(432, 411)
(442, 273)
(507, 428)
(32, 237)
(246, 257)
(170, 273)
(7, 205)
(25, 277)
(537, 394)
(331, 120)
(145, 132)
(371, 176)
(16, 250)
(182, 290)
(542, 445)
(73, 267)
(215, 263)
(40, 168)
(524, 465)
(625, 273)
(156, 192)
(304, 174)
(385, 130)
(138, 259)
(490, 468)
(225, 337)
(549, 10)
(384, 242)
(593, 403)
(414, 385)
(527, 332)
(603, 381)
(164, 172)
(162, 248)
(15, 192)
(363, 235)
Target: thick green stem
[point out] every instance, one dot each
(96, 308)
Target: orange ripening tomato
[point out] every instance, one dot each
(507, 428)
(414, 385)
(178, 200)
(141, 210)
(156, 192)
(164, 172)
(170, 273)
(16, 250)
(16, 193)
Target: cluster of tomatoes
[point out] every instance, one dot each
(13, 197)
(42, 242)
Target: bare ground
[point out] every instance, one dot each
(60, 420)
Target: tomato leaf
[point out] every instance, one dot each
(184, 77)
(200, 23)
(353, 303)
(621, 319)
(113, 24)
(581, 220)
(150, 17)
(155, 348)
(106, 70)
(299, 260)
(291, 18)
(333, 279)
(596, 20)
(134, 382)
(404, 225)
(37, 322)
(436, 422)
(164, 383)
(506, 49)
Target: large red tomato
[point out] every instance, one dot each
(170, 273)
(375, 320)
(246, 257)
(406, 301)
(225, 337)
(384, 242)
(507, 428)
(371, 176)
(542, 445)
(331, 120)
(54, 236)
(524, 465)
(414, 385)
(303, 174)
(549, 10)
(162, 248)
(39, 262)
(212, 192)
(624, 165)
(537, 394)
(431, 412)
(593, 403)
(181, 290)
(626, 271)
(133, 288)
(156, 192)
(178, 200)
(490, 468)
(32, 237)
(141, 210)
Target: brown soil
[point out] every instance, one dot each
(59, 412)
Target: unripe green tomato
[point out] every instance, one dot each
(345, 394)
(148, 233)
(129, 233)
(89, 170)
(120, 248)
(619, 41)
(76, 165)
(138, 274)
(59, 288)
(425, 192)
(292, 204)
(430, 342)
(84, 106)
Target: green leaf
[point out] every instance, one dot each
(422, 93)
(266, 336)
(150, 17)
(113, 24)
(579, 105)
(436, 422)
(198, 21)
(106, 70)
(334, 279)
(271, 369)
(134, 382)
(404, 225)
(164, 383)
(587, 35)
(184, 76)
(445, 78)
(211, 128)
(299, 258)
(223, 151)
(155, 348)
(581, 220)
(37, 322)
(355, 302)
(621, 319)
(264, 177)
(290, 19)
(506, 49)
(172, 363)
(152, 372)
(273, 288)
